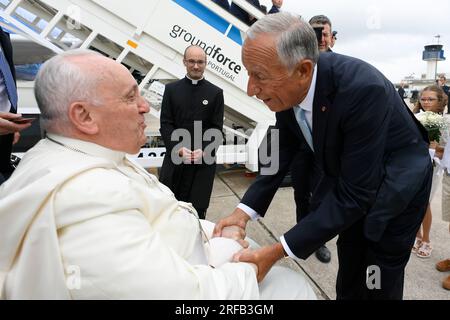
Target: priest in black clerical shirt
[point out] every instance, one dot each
(191, 127)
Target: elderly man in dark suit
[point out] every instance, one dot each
(372, 151)
(8, 106)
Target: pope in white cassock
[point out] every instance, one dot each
(78, 220)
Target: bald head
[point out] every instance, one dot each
(86, 96)
(68, 77)
(194, 50)
(195, 62)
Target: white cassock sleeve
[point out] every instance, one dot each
(119, 254)
(120, 257)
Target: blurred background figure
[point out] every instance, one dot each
(333, 39)
(276, 6)
(321, 21)
(444, 155)
(9, 129)
(432, 98)
(442, 84)
(263, 9)
(401, 90)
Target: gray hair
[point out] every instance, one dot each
(61, 82)
(320, 19)
(296, 39)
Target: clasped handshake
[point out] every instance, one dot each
(261, 258)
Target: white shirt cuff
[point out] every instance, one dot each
(251, 213)
(286, 249)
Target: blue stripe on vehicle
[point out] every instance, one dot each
(211, 18)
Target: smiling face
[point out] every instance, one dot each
(269, 80)
(195, 62)
(118, 116)
(430, 101)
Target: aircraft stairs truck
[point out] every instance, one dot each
(149, 37)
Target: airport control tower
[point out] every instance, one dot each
(432, 54)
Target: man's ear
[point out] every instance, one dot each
(80, 115)
(304, 70)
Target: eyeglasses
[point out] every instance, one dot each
(194, 62)
(427, 99)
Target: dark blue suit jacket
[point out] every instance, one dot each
(274, 9)
(6, 140)
(364, 138)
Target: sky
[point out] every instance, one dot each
(389, 34)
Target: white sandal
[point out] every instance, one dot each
(417, 245)
(425, 250)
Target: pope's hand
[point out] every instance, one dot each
(238, 218)
(235, 233)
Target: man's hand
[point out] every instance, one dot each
(16, 137)
(7, 126)
(235, 233)
(238, 218)
(197, 156)
(264, 258)
(186, 154)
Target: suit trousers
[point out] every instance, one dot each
(304, 175)
(390, 254)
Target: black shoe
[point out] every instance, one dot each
(323, 254)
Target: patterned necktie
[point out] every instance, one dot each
(9, 81)
(304, 127)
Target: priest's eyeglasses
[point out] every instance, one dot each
(194, 62)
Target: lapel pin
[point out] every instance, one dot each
(324, 109)
(205, 102)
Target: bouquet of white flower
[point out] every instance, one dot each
(434, 123)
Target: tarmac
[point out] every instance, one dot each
(422, 280)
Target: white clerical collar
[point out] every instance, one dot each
(307, 103)
(195, 82)
(87, 148)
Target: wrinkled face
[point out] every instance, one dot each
(120, 117)
(327, 35)
(277, 3)
(269, 80)
(430, 102)
(195, 62)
